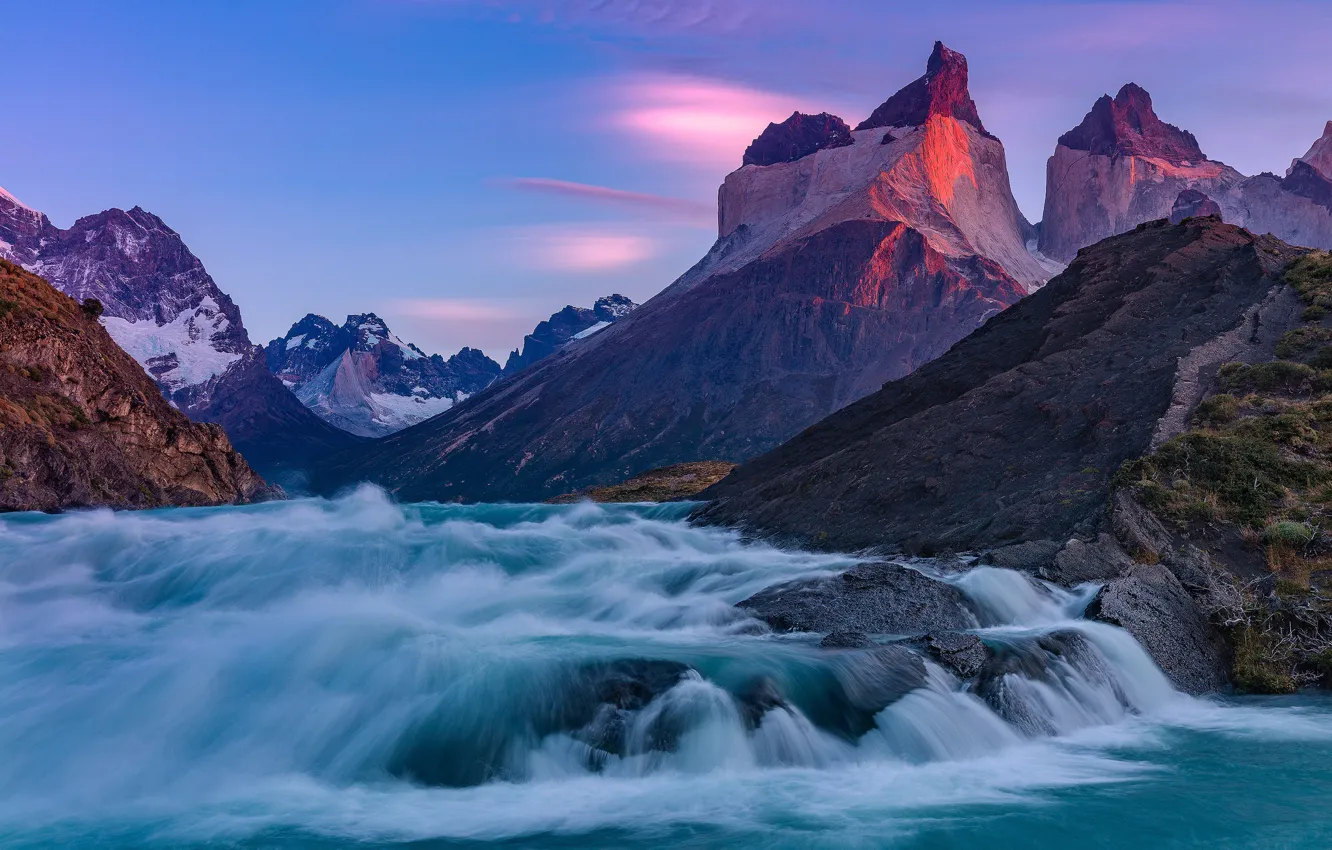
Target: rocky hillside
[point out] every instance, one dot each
(1125, 425)
(81, 424)
(1123, 166)
(833, 272)
(362, 378)
(571, 323)
(163, 308)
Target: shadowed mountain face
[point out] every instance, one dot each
(163, 308)
(1014, 434)
(82, 425)
(363, 379)
(1123, 166)
(567, 325)
(849, 265)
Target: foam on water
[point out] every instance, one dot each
(261, 675)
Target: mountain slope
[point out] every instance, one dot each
(361, 378)
(1014, 434)
(162, 307)
(1123, 166)
(848, 266)
(82, 425)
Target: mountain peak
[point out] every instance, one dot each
(12, 201)
(1319, 156)
(942, 91)
(797, 137)
(1127, 125)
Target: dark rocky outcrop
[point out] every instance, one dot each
(846, 639)
(877, 598)
(1127, 125)
(1308, 182)
(942, 91)
(1192, 203)
(796, 137)
(856, 686)
(1052, 659)
(1014, 434)
(82, 424)
(964, 654)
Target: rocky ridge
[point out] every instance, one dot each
(565, 326)
(82, 425)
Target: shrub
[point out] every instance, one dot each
(1313, 313)
(7, 307)
(1311, 276)
(1293, 534)
(1302, 340)
(92, 308)
(1257, 670)
(1218, 409)
(1281, 375)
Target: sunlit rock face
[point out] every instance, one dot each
(843, 261)
(164, 309)
(1123, 166)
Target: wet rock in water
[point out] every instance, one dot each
(757, 699)
(965, 655)
(857, 686)
(1149, 603)
(594, 702)
(847, 639)
(1052, 659)
(877, 598)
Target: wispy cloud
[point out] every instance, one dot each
(577, 248)
(693, 212)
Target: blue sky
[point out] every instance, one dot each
(466, 168)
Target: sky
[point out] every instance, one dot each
(464, 168)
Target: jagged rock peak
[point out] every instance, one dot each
(1127, 125)
(797, 137)
(1191, 204)
(942, 91)
(1319, 156)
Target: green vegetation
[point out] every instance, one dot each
(1311, 277)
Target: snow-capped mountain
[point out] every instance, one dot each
(567, 325)
(362, 378)
(162, 307)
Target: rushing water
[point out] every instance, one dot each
(359, 673)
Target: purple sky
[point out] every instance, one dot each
(466, 168)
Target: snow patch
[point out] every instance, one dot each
(189, 337)
(587, 332)
(295, 342)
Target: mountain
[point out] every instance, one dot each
(1013, 434)
(82, 425)
(1123, 166)
(833, 272)
(1155, 420)
(568, 324)
(363, 379)
(163, 308)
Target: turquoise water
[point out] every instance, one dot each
(258, 677)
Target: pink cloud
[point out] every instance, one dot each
(580, 249)
(694, 212)
(696, 120)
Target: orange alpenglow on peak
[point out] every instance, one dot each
(942, 91)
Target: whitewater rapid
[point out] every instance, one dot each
(336, 672)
